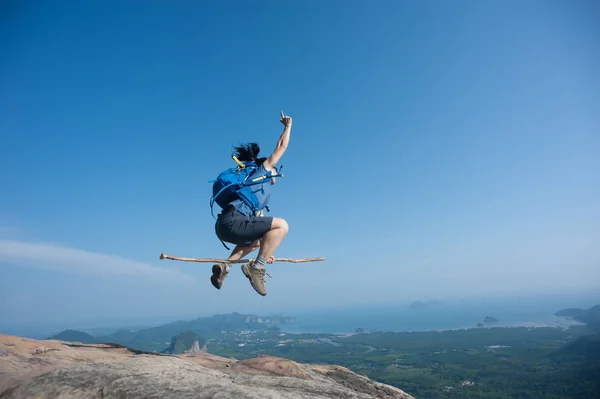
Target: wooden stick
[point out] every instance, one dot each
(213, 260)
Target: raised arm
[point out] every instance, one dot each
(282, 143)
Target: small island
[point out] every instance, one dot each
(490, 320)
(418, 305)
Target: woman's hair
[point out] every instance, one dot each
(248, 152)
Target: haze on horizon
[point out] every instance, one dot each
(438, 151)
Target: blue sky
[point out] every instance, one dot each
(439, 150)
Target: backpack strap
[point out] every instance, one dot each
(214, 198)
(226, 247)
(268, 175)
(238, 162)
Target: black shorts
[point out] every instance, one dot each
(236, 228)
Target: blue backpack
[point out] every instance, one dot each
(234, 183)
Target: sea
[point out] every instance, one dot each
(442, 315)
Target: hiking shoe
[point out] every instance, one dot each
(256, 277)
(220, 271)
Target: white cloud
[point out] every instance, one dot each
(7, 231)
(72, 260)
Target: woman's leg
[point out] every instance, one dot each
(242, 250)
(220, 270)
(255, 272)
(273, 238)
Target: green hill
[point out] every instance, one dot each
(590, 316)
(74, 336)
(587, 347)
(579, 361)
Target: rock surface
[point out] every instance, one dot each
(50, 369)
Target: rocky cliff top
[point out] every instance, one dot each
(50, 369)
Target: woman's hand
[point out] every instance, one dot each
(286, 120)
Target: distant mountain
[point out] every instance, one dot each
(590, 316)
(160, 338)
(74, 336)
(571, 312)
(156, 339)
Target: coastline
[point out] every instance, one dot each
(557, 322)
